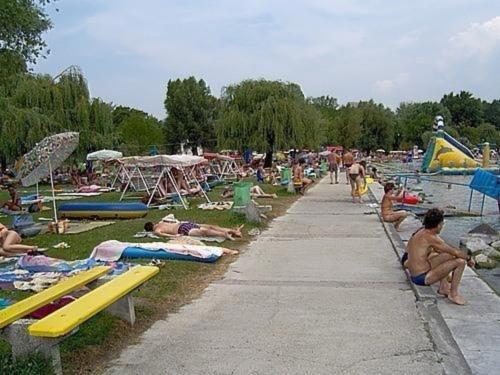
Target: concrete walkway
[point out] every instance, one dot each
(320, 292)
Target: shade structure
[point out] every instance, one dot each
(104, 155)
(46, 156)
(380, 150)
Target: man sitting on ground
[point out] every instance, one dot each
(430, 259)
(186, 228)
(388, 213)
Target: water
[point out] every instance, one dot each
(438, 195)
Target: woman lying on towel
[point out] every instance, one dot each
(175, 228)
(10, 243)
(255, 191)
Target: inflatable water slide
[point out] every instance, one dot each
(446, 154)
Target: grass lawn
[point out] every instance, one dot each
(177, 283)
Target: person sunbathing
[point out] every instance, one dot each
(430, 259)
(186, 228)
(10, 243)
(255, 192)
(387, 208)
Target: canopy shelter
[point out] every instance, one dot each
(223, 166)
(154, 174)
(104, 155)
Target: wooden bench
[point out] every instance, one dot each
(44, 335)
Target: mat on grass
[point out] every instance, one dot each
(80, 227)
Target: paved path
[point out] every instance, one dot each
(320, 292)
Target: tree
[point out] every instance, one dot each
(191, 113)
(139, 133)
(488, 133)
(22, 24)
(464, 108)
(327, 106)
(35, 106)
(377, 126)
(348, 126)
(267, 116)
(492, 113)
(414, 119)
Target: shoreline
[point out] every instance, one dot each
(468, 337)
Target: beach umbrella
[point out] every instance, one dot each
(104, 155)
(380, 150)
(46, 156)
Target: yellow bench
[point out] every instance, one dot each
(71, 316)
(44, 335)
(30, 304)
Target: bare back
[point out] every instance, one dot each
(164, 228)
(386, 206)
(348, 158)
(419, 247)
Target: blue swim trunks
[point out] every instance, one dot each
(419, 279)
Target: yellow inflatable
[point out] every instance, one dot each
(447, 155)
(363, 190)
(369, 180)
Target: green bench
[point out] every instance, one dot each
(27, 335)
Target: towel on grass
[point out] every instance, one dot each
(112, 250)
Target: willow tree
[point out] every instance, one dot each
(267, 116)
(35, 106)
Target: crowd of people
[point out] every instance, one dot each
(428, 258)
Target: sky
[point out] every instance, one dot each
(388, 50)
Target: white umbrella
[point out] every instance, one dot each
(46, 156)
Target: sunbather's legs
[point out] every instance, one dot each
(12, 245)
(203, 231)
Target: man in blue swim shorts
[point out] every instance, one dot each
(430, 259)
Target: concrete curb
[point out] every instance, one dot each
(453, 360)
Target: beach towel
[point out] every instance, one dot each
(112, 250)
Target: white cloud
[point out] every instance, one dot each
(479, 40)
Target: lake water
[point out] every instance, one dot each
(438, 194)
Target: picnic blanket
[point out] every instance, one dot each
(112, 250)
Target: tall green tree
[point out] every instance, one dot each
(347, 126)
(415, 119)
(377, 126)
(267, 116)
(191, 114)
(491, 113)
(139, 133)
(465, 109)
(327, 106)
(36, 106)
(22, 24)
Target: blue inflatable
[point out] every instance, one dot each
(102, 210)
(137, 252)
